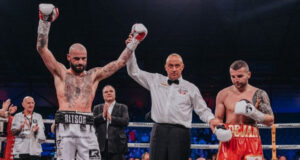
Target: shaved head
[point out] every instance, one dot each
(174, 55)
(27, 98)
(77, 57)
(77, 47)
(28, 104)
(174, 66)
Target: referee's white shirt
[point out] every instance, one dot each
(173, 103)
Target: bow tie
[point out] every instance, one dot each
(173, 81)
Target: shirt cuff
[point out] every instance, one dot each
(210, 117)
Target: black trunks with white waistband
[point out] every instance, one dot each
(72, 117)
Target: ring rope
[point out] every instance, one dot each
(193, 146)
(199, 125)
(215, 146)
(194, 125)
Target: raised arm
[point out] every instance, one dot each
(138, 33)
(47, 14)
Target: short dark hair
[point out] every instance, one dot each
(239, 64)
(108, 85)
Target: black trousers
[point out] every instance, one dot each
(27, 157)
(106, 155)
(169, 142)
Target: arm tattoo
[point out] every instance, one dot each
(43, 31)
(124, 57)
(42, 41)
(264, 104)
(114, 66)
(110, 68)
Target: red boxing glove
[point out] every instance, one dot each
(48, 12)
(139, 32)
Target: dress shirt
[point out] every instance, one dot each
(173, 103)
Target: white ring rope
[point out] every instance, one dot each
(194, 125)
(214, 146)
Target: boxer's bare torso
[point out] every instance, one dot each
(76, 92)
(228, 97)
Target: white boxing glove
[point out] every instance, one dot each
(48, 12)
(245, 108)
(222, 133)
(139, 32)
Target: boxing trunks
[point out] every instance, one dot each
(75, 136)
(244, 145)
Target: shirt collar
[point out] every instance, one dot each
(112, 104)
(179, 79)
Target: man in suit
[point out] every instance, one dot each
(111, 119)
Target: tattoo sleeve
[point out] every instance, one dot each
(261, 97)
(43, 31)
(114, 66)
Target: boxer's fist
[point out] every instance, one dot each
(48, 12)
(138, 32)
(244, 107)
(223, 134)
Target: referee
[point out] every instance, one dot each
(173, 101)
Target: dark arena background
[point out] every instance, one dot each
(209, 34)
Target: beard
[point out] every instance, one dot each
(77, 70)
(240, 85)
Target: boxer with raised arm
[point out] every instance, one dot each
(244, 106)
(75, 89)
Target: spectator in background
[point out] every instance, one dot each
(111, 120)
(214, 156)
(282, 158)
(145, 156)
(28, 128)
(132, 135)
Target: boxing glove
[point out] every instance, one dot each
(245, 108)
(223, 134)
(48, 12)
(139, 32)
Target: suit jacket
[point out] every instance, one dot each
(117, 139)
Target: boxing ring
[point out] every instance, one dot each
(272, 146)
